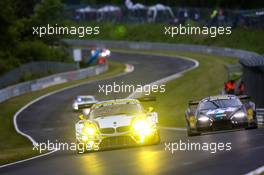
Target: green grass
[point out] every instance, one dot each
(15, 147)
(241, 38)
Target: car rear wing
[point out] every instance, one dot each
(83, 106)
(146, 99)
(244, 98)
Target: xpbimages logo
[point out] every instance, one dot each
(129, 88)
(197, 30)
(212, 147)
(80, 31)
(63, 146)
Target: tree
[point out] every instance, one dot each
(7, 27)
(48, 11)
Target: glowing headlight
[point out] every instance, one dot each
(103, 54)
(84, 138)
(107, 52)
(142, 126)
(203, 118)
(89, 130)
(239, 114)
(79, 99)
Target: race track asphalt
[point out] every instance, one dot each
(52, 119)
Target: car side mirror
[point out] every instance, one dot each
(81, 117)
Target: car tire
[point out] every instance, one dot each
(255, 126)
(191, 134)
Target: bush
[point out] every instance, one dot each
(37, 51)
(7, 63)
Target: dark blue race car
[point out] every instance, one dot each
(220, 112)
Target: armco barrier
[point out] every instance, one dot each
(260, 116)
(41, 83)
(241, 54)
(34, 68)
(253, 63)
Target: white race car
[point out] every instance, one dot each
(83, 101)
(117, 123)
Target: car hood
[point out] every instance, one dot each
(220, 113)
(113, 121)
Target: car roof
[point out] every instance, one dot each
(116, 101)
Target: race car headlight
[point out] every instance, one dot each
(84, 138)
(107, 52)
(89, 130)
(142, 127)
(239, 114)
(103, 54)
(203, 118)
(79, 99)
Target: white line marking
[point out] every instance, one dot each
(257, 171)
(21, 161)
(129, 69)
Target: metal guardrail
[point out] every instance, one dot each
(237, 53)
(33, 69)
(42, 83)
(260, 116)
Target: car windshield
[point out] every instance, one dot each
(222, 103)
(117, 109)
(86, 99)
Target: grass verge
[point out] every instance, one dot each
(15, 147)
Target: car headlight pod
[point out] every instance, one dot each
(142, 127)
(239, 114)
(89, 130)
(203, 118)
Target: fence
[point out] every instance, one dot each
(41, 83)
(253, 64)
(34, 69)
